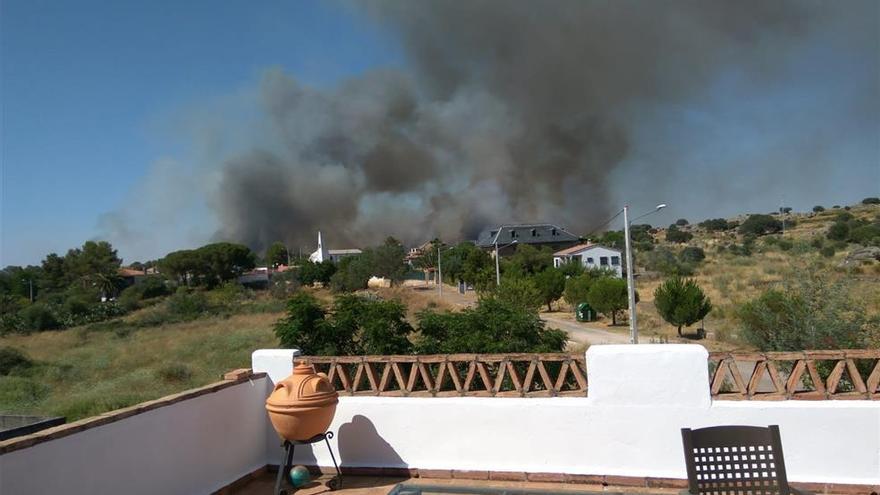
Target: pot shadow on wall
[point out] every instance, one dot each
(360, 445)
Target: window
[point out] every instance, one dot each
(590, 261)
(603, 260)
(493, 233)
(553, 232)
(534, 233)
(615, 261)
(512, 234)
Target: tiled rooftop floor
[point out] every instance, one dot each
(369, 485)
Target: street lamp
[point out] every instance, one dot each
(630, 283)
(497, 266)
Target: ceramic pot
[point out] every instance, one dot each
(303, 404)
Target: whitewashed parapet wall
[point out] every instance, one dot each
(639, 399)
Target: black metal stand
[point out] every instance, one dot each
(334, 483)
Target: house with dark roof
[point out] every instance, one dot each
(509, 236)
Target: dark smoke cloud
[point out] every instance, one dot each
(510, 111)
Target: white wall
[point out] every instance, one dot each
(595, 252)
(640, 398)
(194, 446)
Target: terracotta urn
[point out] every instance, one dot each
(302, 405)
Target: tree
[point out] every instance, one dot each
(353, 272)
(608, 296)
(519, 292)
(681, 222)
(818, 209)
(528, 260)
(182, 265)
(276, 254)
(377, 327)
(224, 261)
(550, 284)
(871, 201)
(681, 302)
(577, 288)
(677, 236)
(388, 260)
(311, 272)
(493, 326)
(760, 225)
(572, 268)
(305, 328)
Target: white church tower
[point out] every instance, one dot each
(321, 253)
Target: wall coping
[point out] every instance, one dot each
(230, 379)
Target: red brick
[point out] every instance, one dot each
(470, 475)
(399, 472)
(435, 473)
(507, 476)
(547, 477)
(667, 483)
(840, 489)
(625, 481)
(587, 479)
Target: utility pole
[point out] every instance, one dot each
(630, 283)
(497, 266)
(439, 273)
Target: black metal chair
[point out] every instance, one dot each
(734, 460)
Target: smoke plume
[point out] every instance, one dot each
(520, 111)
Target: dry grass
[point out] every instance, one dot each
(82, 373)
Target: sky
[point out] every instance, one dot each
(118, 120)
(90, 89)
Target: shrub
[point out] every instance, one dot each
(865, 235)
(715, 224)
(664, 261)
(39, 316)
(577, 288)
(839, 231)
(827, 251)
(681, 302)
(678, 236)
(818, 209)
(844, 217)
(681, 222)
(353, 273)
(186, 304)
(608, 296)
(311, 272)
(871, 201)
(784, 244)
(692, 254)
(493, 326)
(374, 326)
(12, 359)
(174, 372)
(809, 313)
(760, 225)
(572, 269)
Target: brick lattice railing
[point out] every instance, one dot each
(451, 375)
(808, 375)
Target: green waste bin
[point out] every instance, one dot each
(585, 313)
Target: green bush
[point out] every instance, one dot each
(681, 222)
(760, 225)
(866, 235)
(681, 302)
(12, 359)
(305, 328)
(818, 209)
(827, 251)
(577, 288)
(677, 236)
(871, 201)
(692, 254)
(664, 261)
(19, 393)
(550, 284)
(519, 292)
(715, 224)
(839, 231)
(809, 313)
(39, 316)
(493, 326)
(186, 304)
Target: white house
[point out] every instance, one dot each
(591, 256)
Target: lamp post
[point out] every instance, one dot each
(497, 266)
(630, 282)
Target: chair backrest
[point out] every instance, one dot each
(728, 460)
